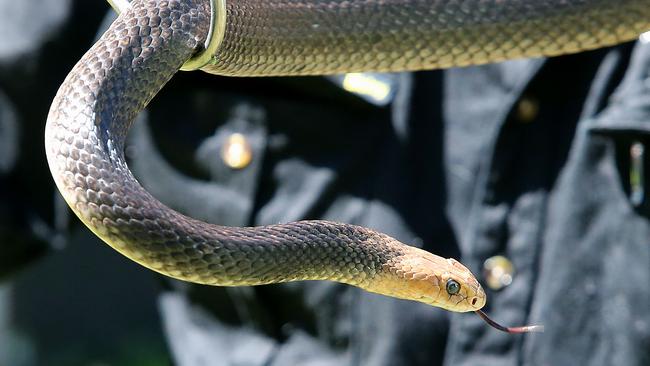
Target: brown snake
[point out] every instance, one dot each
(94, 109)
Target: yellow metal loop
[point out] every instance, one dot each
(215, 36)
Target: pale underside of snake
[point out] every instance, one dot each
(152, 39)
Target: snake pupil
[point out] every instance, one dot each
(452, 287)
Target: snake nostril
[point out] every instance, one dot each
(474, 300)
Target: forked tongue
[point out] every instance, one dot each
(512, 330)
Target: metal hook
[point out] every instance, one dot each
(215, 35)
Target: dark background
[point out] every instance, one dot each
(62, 302)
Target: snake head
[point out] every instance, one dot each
(461, 290)
(437, 281)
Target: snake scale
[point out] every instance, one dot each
(152, 39)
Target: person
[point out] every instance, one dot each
(531, 172)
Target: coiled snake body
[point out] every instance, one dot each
(152, 39)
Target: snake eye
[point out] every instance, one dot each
(452, 287)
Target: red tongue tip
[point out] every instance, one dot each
(512, 330)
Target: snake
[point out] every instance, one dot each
(151, 40)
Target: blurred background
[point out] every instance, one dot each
(81, 304)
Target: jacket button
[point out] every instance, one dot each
(236, 151)
(498, 272)
(527, 109)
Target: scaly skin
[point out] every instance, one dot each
(113, 82)
(315, 37)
